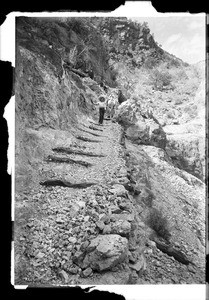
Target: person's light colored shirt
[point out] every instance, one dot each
(102, 104)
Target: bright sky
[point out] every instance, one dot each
(183, 36)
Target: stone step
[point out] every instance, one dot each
(84, 139)
(57, 159)
(79, 152)
(58, 182)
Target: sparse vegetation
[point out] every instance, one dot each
(160, 79)
(63, 66)
(159, 223)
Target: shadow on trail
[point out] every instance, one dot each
(79, 152)
(86, 131)
(64, 183)
(84, 139)
(57, 159)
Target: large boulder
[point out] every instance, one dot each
(147, 132)
(141, 127)
(106, 251)
(126, 114)
(186, 147)
(118, 190)
(121, 227)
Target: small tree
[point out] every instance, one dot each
(150, 62)
(160, 79)
(159, 223)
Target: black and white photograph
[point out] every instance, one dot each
(109, 184)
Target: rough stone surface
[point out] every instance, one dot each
(118, 190)
(139, 265)
(87, 272)
(186, 148)
(141, 127)
(121, 227)
(147, 132)
(107, 251)
(64, 276)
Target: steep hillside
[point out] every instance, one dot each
(133, 43)
(121, 203)
(52, 58)
(162, 83)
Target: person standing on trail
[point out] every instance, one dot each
(102, 107)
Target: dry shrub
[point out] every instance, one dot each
(159, 223)
(160, 79)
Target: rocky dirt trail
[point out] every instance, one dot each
(55, 224)
(121, 203)
(82, 226)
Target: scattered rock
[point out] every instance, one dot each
(40, 255)
(64, 276)
(84, 245)
(191, 269)
(133, 256)
(151, 243)
(115, 209)
(121, 227)
(148, 251)
(74, 209)
(86, 218)
(123, 181)
(124, 205)
(107, 229)
(78, 257)
(139, 265)
(81, 204)
(123, 216)
(133, 277)
(87, 272)
(73, 270)
(72, 240)
(106, 219)
(59, 220)
(30, 224)
(106, 251)
(119, 190)
(100, 225)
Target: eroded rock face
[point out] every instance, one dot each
(140, 125)
(147, 132)
(106, 251)
(126, 114)
(179, 195)
(50, 89)
(186, 147)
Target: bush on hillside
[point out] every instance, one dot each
(182, 75)
(160, 79)
(150, 63)
(113, 74)
(173, 63)
(159, 223)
